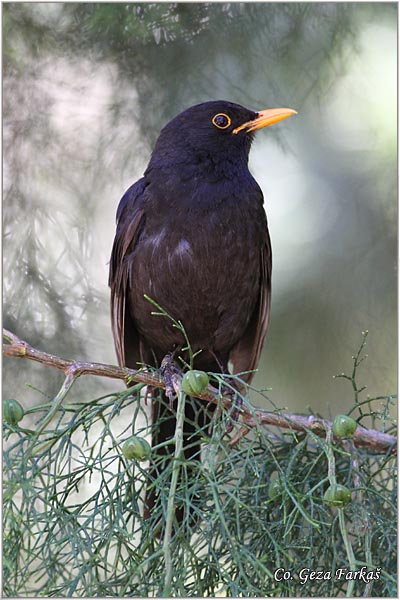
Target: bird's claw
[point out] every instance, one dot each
(168, 373)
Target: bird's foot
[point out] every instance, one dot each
(169, 372)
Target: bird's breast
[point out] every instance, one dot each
(202, 244)
(202, 265)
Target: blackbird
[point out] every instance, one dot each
(192, 235)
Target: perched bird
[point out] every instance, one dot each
(192, 235)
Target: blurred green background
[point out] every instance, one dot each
(87, 88)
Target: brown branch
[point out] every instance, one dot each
(369, 438)
(20, 349)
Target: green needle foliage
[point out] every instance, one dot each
(73, 508)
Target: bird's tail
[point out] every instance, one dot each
(187, 492)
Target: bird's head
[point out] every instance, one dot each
(211, 133)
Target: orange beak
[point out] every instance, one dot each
(265, 118)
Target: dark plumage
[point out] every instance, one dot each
(192, 234)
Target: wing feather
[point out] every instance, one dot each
(245, 355)
(130, 219)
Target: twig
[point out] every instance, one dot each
(180, 417)
(244, 430)
(342, 523)
(250, 417)
(20, 349)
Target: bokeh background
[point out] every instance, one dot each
(87, 88)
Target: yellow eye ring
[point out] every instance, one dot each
(221, 120)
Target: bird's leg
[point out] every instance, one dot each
(147, 393)
(168, 372)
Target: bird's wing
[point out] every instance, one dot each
(130, 218)
(246, 352)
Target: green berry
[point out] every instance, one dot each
(13, 412)
(344, 426)
(337, 495)
(136, 448)
(275, 489)
(195, 382)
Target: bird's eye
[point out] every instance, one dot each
(221, 120)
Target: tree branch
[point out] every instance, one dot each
(250, 417)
